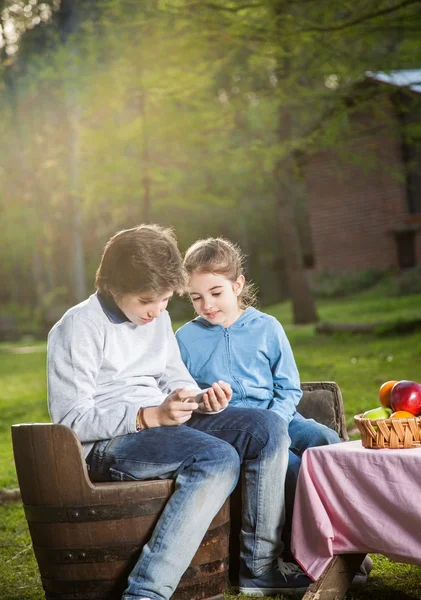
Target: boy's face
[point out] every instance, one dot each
(144, 307)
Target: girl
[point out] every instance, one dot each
(232, 340)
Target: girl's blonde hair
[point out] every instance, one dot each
(220, 256)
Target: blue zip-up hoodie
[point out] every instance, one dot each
(253, 355)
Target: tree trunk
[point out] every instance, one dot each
(303, 305)
(68, 22)
(304, 309)
(37, 273)
(79, 280)
(146, 181)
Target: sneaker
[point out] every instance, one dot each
(283, 578)
(361, 576)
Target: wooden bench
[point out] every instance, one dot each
(87, 536)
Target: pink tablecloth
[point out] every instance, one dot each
(352, 499)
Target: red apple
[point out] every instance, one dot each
(406, 395)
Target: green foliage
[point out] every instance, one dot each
(23, 315)
(373, 282)
(408, 282)
(164, 113)
(19, 578)
(331, 285)
(362, 308)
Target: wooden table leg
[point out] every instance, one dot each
(336, 579)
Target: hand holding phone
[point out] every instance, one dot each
(197, 397)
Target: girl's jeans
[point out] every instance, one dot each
(304, 433)
(203, 457)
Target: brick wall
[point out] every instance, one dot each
(357, 196)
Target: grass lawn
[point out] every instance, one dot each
(359, 364)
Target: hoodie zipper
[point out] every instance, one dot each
(237, 381)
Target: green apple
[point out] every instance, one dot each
(378, 413)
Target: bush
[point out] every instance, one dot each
(332, 285)
(408, 282)
(52, 307)
(16, 321)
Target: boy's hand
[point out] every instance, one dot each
(216, 398)
(174, 410)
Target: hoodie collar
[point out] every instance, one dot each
(110, 308)
(248, 315)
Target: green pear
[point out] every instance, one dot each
(378, 413)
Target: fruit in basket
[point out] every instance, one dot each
(406, 395)
(384, 392)
(402, 414)
(381, 412)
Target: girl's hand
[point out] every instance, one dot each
(216, 398)
(173, 411)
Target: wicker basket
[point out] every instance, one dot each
(389, 433)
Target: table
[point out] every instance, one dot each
(352, 499)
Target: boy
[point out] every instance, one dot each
(115, 377)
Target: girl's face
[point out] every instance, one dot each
(142, 309)
(215, 298)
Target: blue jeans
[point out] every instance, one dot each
(203, 457)
(304, 433)
(261, 440)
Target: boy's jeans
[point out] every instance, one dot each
(206, 470)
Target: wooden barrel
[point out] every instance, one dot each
(87, 537)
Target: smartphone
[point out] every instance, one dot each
(198, 397)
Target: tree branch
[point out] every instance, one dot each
(363, 18)
(231, 9)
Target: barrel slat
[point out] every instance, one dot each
(202, 591)
(107, 590)
(212, 547)
(75, 534)
(93, 512)
(89, 589)
(85, 554)
(89, 571)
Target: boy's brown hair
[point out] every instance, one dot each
(218, 255)
(142, 259)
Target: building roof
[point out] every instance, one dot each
(410, 78)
